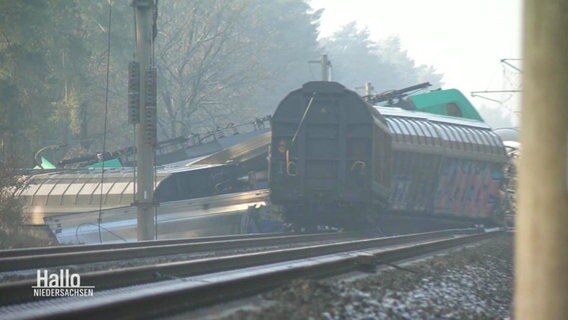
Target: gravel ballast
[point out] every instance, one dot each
(473, 282)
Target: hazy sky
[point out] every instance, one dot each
(463, 39)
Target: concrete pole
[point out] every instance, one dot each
(541, 260)
(325, 64)
(368, 88)
(144, 150)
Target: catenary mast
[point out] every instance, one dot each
(142, 113)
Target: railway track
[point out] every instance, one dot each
(11, 253)
(75, 255)
(171, 286)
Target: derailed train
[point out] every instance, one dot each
(336, 160)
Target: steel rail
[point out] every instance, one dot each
(21, 291)
(181, 295)
(12, 253)
(149, 249)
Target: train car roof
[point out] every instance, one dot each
(111, 174)
(436, 102)
(327, 87)
(439, 134)
(508, 134)
(398, 112)
(60, 192)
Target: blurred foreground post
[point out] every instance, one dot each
(541, 263)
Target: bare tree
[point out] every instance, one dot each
(204, 63)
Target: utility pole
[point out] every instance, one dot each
(368, 89)
(541, 262)
(484, 94)
(142, 81)
(325, 67)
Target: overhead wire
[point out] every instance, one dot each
(99, 219)
(88, 223)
